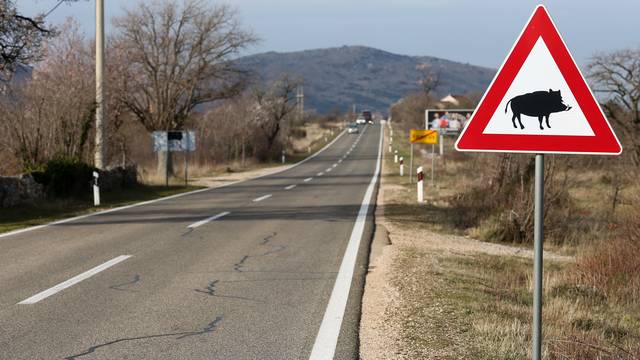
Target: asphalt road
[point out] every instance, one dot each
(244, 271)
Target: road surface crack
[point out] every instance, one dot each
(209, 328)
(211, 291)
(119, 287)
(239, 266)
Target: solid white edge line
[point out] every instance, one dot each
(209, 219)
(325, 345)
(264, 197)
(290, 187)
(308, 179)
(74, 280)
(62, 221)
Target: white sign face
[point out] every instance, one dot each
(186, 143)
(539, 72)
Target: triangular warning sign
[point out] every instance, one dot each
(539, 101)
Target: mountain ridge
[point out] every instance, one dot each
(338, 77)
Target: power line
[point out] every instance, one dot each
(53, 9)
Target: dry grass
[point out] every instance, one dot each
(457, 303)
(317, 136)
(478, 306)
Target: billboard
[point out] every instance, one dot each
(447, 121)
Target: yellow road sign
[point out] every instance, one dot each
(423, 136)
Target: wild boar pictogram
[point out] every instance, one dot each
(538, 104)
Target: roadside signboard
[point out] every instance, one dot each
(174, 141)
(539, 102)
(423, 136)
(448, 121)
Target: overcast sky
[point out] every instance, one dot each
(472, 31)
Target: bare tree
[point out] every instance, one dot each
(51, 113)
(225, 131)
(617, 75)
(179, 57)
(429, 79)
(272, 107)
(21, 37)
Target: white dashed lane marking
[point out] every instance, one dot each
(74, 280)
(210, 218)
(262, 198)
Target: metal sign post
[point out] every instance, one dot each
(186, 162)
(538, 240)
(433, 157)
(411, 166)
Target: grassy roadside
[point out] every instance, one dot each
(458, 298)
(478, 306)
(55, 209)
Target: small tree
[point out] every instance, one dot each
(179, 57)
(51, 114)
(429, 79)
(617, 75)
(272, 108)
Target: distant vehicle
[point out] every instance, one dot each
(353, 128)
(367, 116)
(361, 120)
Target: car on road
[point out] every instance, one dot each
(353, 128)
(361, 120)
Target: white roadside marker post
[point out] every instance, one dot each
(283, 158)
(401, 166)
(96, 189)
(395, 157)
(420, 184)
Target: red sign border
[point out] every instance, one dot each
(604, 140)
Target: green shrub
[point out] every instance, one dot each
(65, 177)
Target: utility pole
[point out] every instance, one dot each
(300, 101)
(100, 126)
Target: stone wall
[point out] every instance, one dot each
(118, 178)
(17, 190)
(23, 189)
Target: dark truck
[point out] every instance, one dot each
(367, 116)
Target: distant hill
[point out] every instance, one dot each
(370, 78)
